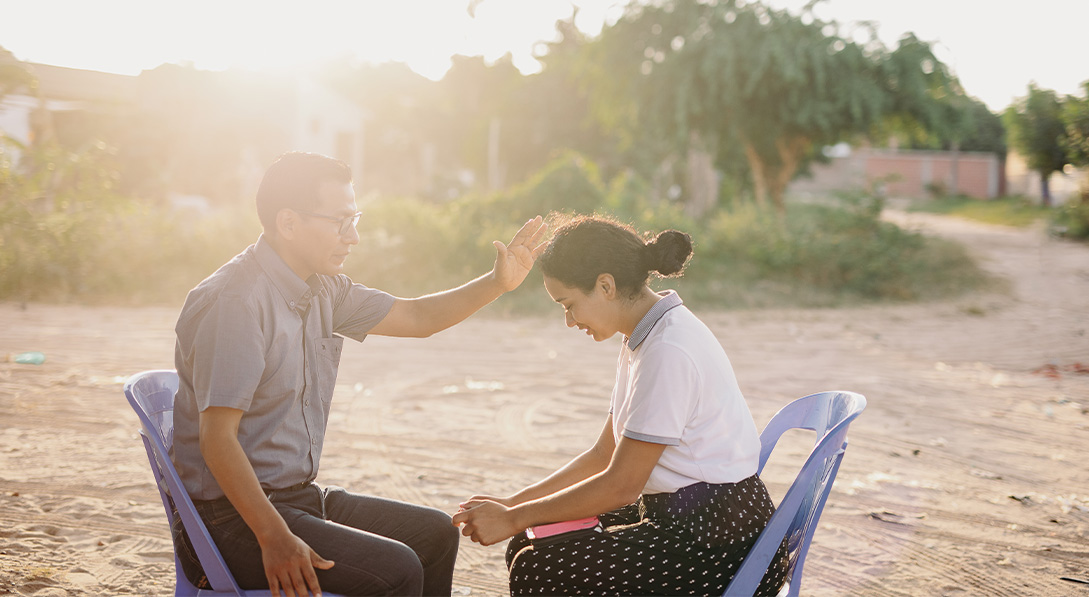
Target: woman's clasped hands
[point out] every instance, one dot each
(487, 520)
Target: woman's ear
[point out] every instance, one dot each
(607, 284)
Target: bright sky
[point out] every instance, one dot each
(996, 48)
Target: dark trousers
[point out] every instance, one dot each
(689, 542)
(380, 546)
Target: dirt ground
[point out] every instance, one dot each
(966, 475)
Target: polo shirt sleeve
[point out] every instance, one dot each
(228, 349)
(357, 308)
(664, 390)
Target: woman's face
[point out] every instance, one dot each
(594, 313)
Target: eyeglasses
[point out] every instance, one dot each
(345, 224)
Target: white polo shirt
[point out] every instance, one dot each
(675, 386)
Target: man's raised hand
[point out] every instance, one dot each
(514, 261)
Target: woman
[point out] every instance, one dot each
(672, 476)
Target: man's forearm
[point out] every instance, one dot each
(426, 315)
(232, 470)
(441, 310)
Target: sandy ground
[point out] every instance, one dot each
(966, 475)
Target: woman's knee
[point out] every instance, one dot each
(516, 544)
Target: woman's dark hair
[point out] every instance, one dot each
(584, 247)
(293, 180)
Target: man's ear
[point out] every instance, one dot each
(286, 222)
(607, 284)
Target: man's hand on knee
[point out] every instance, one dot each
(289, 566)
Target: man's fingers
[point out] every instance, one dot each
(299, 582)
(285, 585)
(312, 581)
(274, 586)
(317, 562)
(536, 238)
(527, 230)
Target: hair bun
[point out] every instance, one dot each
(668, 252)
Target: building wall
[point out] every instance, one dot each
(245, 119)
(15, 113)
(907, 173)
(328, 123)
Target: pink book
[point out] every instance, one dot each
(559, 528)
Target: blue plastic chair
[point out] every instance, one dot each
(828, 414)
(151, 394)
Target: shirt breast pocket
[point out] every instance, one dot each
(327, 364)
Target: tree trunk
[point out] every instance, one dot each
(1045, 188)
(759, 182)
(770, 181)
(954, 170)
(790, 155)
(701, 181)
(495, 179)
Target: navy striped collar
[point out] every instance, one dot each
(669, 299)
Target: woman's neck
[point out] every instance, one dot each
(638, 309)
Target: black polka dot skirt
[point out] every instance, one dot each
(689, 542)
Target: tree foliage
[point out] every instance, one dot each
(14, 76)
(398, 143)
(53, 209)
(973, 127)
(731, 77)
(1075, 116)
(1036, 130)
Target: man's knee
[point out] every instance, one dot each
(446, 536)
(446, 529)
(397, 571)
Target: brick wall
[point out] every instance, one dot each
(908, 173)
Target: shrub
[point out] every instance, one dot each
(66, 233)
(1072, 219)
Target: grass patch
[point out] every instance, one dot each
(64, 239)
(1006, 211)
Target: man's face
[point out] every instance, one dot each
(317, 245)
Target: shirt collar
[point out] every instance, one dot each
(669, 299)
(295, 291)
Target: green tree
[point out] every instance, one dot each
(966, 124)
(971, 127)
(474, 107)
(1075, 115)
(985, 131)
(14, 75)
(551, 110)
(1036, 131)
(55, 210)
(399, 139)
(729, 77)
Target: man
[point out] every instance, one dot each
(257, 352)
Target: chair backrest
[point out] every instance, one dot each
(151, 394)
(828, 414)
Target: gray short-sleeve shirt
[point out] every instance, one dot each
(256, 337)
